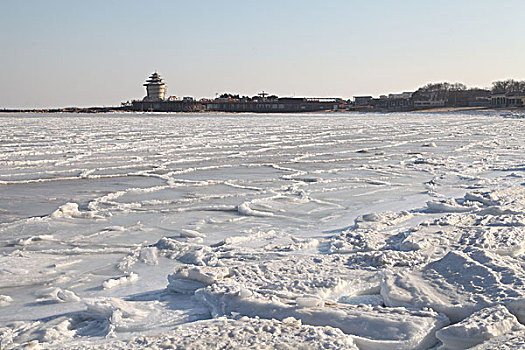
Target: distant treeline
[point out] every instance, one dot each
(501, 86)
(246, 98)
(458, 94)
(452, 92)
(508, 86)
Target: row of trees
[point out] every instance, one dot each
(458, 94)
(500, 86)
(247, 98)
(453, 94)
(508, 86)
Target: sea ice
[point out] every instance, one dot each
(227, 333)
(480, 326)
(458, 284)
(357, 231)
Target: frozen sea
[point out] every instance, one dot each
(314, 231)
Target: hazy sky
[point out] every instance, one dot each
(86, 53)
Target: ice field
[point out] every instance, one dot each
(315, 231)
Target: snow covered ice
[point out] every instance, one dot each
(318, 231)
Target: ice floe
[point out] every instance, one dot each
(479, 327)
(458, 284)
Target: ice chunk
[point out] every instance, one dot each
(187, 279)
(59, 295)
(188, 253)
(113, 282)
(67, 210)
(105, 316)
(370, 327)
(245, 209)
(192, 234)
(459, 284)
(479, 327)
(70, 210)
(309, 301)
(5, 300)
(447, 206)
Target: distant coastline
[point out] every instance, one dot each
(434, 97)
(102, 110)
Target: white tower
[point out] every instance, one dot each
(155, 88)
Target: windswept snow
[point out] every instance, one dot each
(319, 231)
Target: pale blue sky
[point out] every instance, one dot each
(83, 53)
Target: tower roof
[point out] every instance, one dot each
(154, 79)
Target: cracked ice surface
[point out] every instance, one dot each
(356, 231)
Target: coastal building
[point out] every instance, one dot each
(394, 102)
(155, 101)
(406, 95)
(510, 99)
(155, 88)
(429, 103)
(276, 105)
(361, 101)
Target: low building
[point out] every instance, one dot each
(511, 99)
(394, 102)
(429, 103)
(361, 101)
(279, 105)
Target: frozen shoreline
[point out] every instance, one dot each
(340, 231)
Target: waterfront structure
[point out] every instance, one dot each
(361, 101)
(277, 105)
(511, 99)
(156, 101)
(155, 88)
(392, 102)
